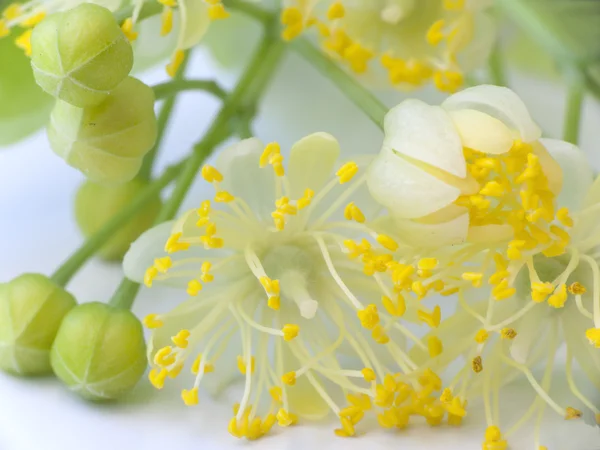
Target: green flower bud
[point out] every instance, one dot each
(95, 204)
(99, 351)
(80, 55)
(32, 307)
(107, 142)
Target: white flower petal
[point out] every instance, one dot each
(528, 333)
(498, 102)
(417, 234)
(245, 179)
(311, 162)
(477, 52)
(481, 132)
(425, 133)
(144, 250)
(577, 174)
(194, 22)
(406, 190)
(593, 195)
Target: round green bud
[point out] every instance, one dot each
(95, 204)
(99, 351)
(107, 142)
(32, 307)
(80, 55)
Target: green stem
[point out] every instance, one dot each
(572, 125)
(249, 9)
(125, 294)
(164, 116)
(171, 88)
(361, 97)
(496, 66)
(66, 271)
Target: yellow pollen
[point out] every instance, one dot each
(173, 245)
(150, 275)
(4, 31)
(193, 288)
(336, 11)
(572, 413)
(304, 201)
(477, 364)
(290, 331)
(347, 172)
(32, 21)
(481, 336)
(166, 21)
(208, 367)
(276, 394)
(559, 298)
(434, 345)
(577, 288)
(454, 5)
(176, 60)
(593, 335)
(285, 419)
(564, 218)
(211, 174)
(157, 378)
(217, 12)
(508, 333)
(241, 363)
(435, 34)
(427, 263)
(289, 378)
(379, 335)
(181, 339)
(163, 264)
(12, 11)
(369, 317)
(127, 28)
(164, 357)
(396, 310)
(152, 321)
(190, 397)
(353, 212)
(432, 319)
(224, 197)
(448, 81)
(368, 374)
(476, 278)
(387, 242)
(23, 41)
(540, 291)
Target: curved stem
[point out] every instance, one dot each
(164, 116)
(573, 113)
(361, 96)
(170, 88)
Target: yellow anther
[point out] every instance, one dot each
(285, 418)
(290, 331)
(241, 364)
(211, 242)
(205, 270)
(276, 394)
(289, 378)
(193, 288)
(306, 199)
(347, 172)
(164, 357)
(502, 291)
(477, 364)
(175, 370)
(420, 289)
(448, 81)
(454, 5)
(291, 16)
(508, 333)
(4, 30)
(272, 148)
(127, 28)
(434, 345)
(268, 423)
(379, 335)
(435, 34)
(204, 209)
(176, 60)
(559, 298)
(163, 264)
(336, 11)
(233, 428)
(498, 277)
(190, 397)
(572, 413)
(211, 229)
(173, 245)
(357, 57)
(23, 41)
(217, 12)
(446, 396)
(32, 21)
(540, 291)
(150, 275)
(427, 263)
(274, 302)
(361, 401)
(181, 338)
(493, 189)
(577, 288)
(166, 21)
(208, 367)
(431, 318)
(369, 317)
(353, 212)
(398, 309)
(387, 242)
(157, 378)
(152, 321)
(224, 197)
(481, 336)
(593, 335)
(493, 434)
(169, 3)
(12, 11)
(563, 217)
(476, 278)
(368, 374)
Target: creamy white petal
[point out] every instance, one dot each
(239, 164)
(478, 50)
(144, 250)
(479, 131)
(434, 235)
(498, 102)
(406, 190)
(593, 195)
(577, 174)
(311, 162)
(425, 133)
(528, 333)
(194, 22)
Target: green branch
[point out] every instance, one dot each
(171, 88)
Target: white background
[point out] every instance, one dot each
(37, 232)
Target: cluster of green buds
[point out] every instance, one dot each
(103, 122)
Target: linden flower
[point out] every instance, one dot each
(278, 266)
(469, 171)
(193, 16)
(556, 306)
(415, 41)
